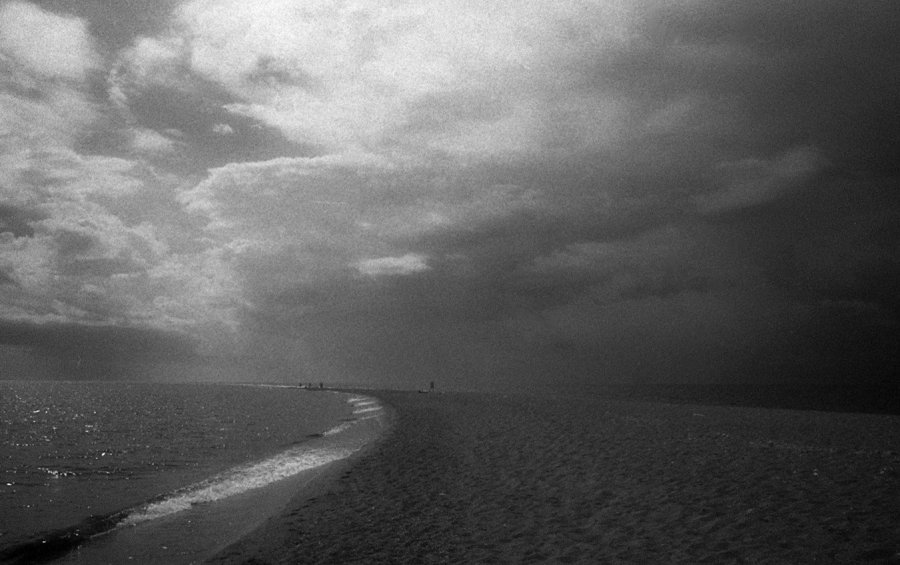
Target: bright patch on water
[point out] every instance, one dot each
(70, 450)
(200, 517)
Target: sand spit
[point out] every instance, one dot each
(517, 479)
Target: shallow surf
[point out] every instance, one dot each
(191, 521)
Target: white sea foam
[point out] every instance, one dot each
(256, 475)
(338, 429)
(365, 403)
(239, 480)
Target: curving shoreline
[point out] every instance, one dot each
(197, 521)
(478, 478)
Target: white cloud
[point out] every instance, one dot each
(305, 220)
(201, 292)
(147, 140)
(148, 61)
(36, 109)
(61, 172)
(223, 129)
(148, 54)
(352, 75)
(50, 45)
(80, 246)
(83, 264)
(318, 206)
(71, 259)
(408, 264)
(352, 201)
(55, 120)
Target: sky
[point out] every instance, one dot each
(510, 194)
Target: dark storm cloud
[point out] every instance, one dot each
(105, 344)
(823, 342)
(440, 111)
(800, 73)
(196, 119)
(116, 25)
(6, 279)
(547, 192)
(17, 221)
(723, 237)
(72, 242)
(837, 241)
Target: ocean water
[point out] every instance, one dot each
(79, 459)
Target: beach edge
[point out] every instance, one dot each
(318, 481)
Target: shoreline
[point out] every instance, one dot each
(197, 521)
(470, 477)
(203, 530)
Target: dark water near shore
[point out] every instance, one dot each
(72, 450)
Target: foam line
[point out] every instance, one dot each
(242, 479)
(339, 428)
(238, 481)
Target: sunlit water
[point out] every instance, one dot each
(70, 450)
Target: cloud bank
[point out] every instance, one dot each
(521, 193)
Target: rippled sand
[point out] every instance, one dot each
(518, 479)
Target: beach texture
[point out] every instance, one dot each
(469, 478)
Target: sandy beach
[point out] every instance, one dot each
(477, 478)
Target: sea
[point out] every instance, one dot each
(94, 472)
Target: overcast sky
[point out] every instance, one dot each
(477, 193)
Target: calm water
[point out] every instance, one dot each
(70, 450)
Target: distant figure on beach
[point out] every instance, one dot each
(321, 385)
(432, 386)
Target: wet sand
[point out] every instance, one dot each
(475, 478)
